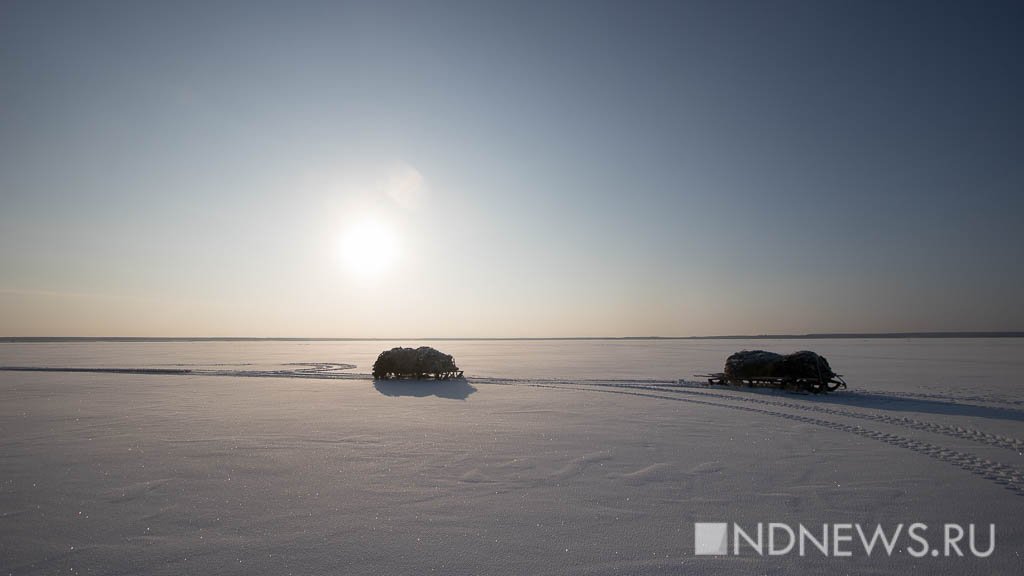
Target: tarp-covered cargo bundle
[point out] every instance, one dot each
(802, 370)
(415, 363)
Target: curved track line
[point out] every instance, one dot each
(852, 393)
(326, 370)
(933, 396)
(1008, 477)
(958, 432)
(1005, 476)
(952, 431)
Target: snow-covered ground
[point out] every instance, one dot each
(552, 458)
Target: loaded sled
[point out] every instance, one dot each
(802, 371)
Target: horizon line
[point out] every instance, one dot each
(817, 335)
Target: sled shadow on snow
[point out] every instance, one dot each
(457, 389)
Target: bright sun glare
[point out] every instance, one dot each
(369, 247)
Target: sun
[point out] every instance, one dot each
(369, 247)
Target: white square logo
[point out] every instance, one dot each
(711, 538)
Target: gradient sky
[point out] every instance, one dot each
(547, 169)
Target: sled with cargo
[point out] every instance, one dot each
(803, 371)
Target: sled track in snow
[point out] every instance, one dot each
(950, 397)
(1001, 474)
(946, 430)
(324, 370)
(891, 394)
(958, 432)
(337, 370)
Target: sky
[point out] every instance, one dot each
(510, 169)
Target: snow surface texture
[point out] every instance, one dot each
(551, 458)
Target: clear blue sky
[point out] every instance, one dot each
(523, 168)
